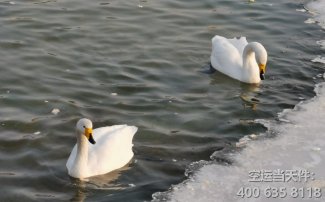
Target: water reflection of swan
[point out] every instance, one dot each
(246, 92)
(80, 193)
(248, 96)
(102, 182)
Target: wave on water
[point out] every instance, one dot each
(289, 166)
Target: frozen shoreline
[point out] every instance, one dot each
(298, 148)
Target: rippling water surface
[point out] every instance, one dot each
(136, 62)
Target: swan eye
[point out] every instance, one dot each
(84, 126)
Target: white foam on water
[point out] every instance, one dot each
(55, 111)
(319, 59)
(321, 43)
(298, 150)
(301, 10)
(317, 8)
(310, 21)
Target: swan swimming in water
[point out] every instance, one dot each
(239, 59)
(111, 150)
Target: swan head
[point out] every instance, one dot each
(85, 129)
(261, 58)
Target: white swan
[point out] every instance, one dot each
(112, 149)
(238, 59)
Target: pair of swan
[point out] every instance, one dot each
(111, 147)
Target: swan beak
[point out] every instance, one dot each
(89, 135)
(262, 71)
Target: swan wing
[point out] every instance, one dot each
(225, 57)
(113, 148)
(239, 43)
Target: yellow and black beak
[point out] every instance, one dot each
(262, 71)
(89, 135)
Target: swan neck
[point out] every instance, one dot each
(82, 153)
(248, 56)
(252, 73)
